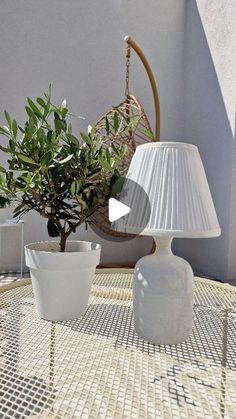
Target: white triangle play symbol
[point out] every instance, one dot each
(116, 209)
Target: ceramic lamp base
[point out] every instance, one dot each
(163, 296)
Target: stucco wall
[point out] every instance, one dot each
(209, 118)
(78, 46)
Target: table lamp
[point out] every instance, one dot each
(173, 177)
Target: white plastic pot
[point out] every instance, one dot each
(62, 281)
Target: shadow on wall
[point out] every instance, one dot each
(206, 124)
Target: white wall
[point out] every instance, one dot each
(209, 118)
(78, 46)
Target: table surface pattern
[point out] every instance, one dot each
(97, 367)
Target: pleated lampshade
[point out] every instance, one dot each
(173, 177)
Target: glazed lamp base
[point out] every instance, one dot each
(163, 296)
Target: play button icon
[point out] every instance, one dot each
(117, 209)
(125, 215)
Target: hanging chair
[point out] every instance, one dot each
(142, 133)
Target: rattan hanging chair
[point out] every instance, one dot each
(142, 133)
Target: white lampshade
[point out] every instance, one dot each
(173, 177)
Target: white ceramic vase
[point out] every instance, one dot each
(163, 296)
(62, 281)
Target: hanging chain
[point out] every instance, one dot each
(128, 49)
(127, 94)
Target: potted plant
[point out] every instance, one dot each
(5, 211)
(65, 179)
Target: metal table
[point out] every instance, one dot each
(97, 367)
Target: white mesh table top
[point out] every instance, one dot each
(97, 367)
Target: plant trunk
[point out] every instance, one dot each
(63, 238)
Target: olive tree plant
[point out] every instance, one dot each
(62, 176)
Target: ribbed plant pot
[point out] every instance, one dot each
(62, 281)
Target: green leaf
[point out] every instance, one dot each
(41, 102)
(8, 118)
(14, 127)
(94, 172)
(133, 122)
(32, 124)
(74, 188)
(49, 94)
(108, 156)
(60, 124)
(18, 213)
(64, 112)
(72, 139)
(21, 129)
(68, 158)
(20, 184)
(124, 149)
(69, 128)
(117, 187)
(45, 106)
(56, 115)
(4, 149)
(5, 131)
(12, 145)
(31, 114)
(114, 148)
(105, 164)
(126, 119)
(25, 176)
(107, 126)
(148, 133)
(115, 121)
(19, 207)
(92, 132)
(26, 159)
(52, 229)
(34, 108)
(81, 201)
(85, 138)
(72, 226)
(47, 158)
(49, 136)
(37, 177)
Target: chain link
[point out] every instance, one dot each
(128, 49)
